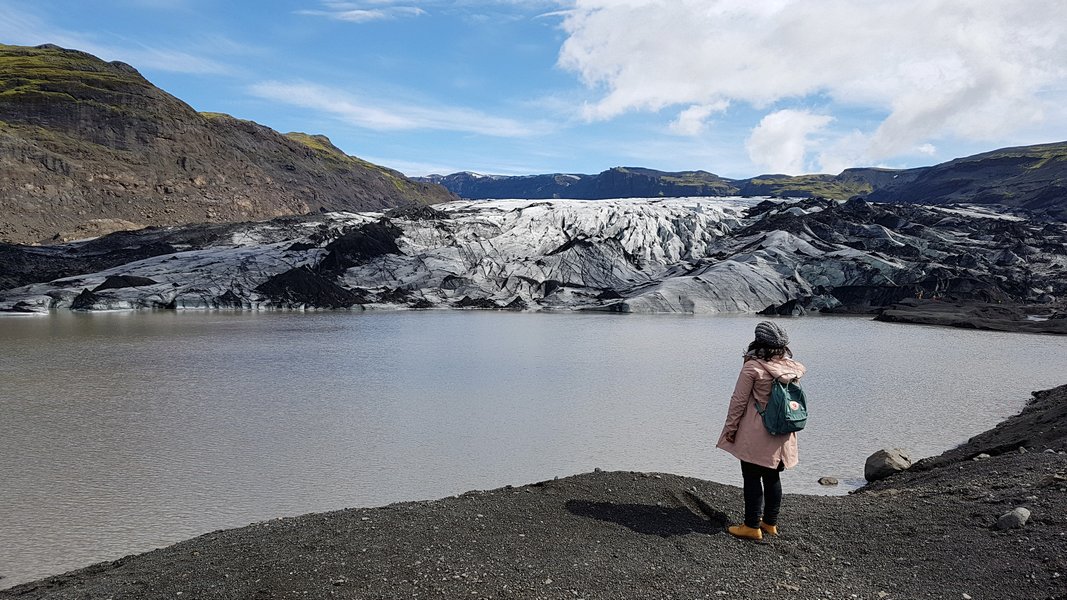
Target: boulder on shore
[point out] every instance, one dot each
(884, 463)
(1013, 519)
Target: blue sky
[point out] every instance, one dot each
(734, 87)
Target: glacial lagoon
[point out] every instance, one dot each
(122, 432)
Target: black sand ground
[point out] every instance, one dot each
(924, 533)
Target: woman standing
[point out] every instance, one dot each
(763, 456)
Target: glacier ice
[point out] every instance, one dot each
(688, 255)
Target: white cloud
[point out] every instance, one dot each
(24, 28)
(844, 150)
(965, 69)
(363, 12)
(385, 115)
(694, 120)
(781, 140)
(927, 149)
(477, 11)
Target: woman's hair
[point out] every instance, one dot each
(765, 352)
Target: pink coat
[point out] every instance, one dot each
(751, 442)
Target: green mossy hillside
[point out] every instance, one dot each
(41, 83)
(811, 186)
(326, 150)
(51, 69)
(86, 141)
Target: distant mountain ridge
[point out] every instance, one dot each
(1032, 177)
(619, 182)
(88, 147)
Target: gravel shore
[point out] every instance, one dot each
(1022, 318)
(924, 533)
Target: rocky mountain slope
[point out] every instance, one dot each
(694, 255)
(88, 147)
(925, 533)
(1033, 177)
(635, 182)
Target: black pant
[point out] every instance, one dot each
(763, 492)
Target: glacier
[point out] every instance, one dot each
(670, 255)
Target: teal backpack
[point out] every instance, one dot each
(787, 409)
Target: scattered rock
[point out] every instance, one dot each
(86, 300)
(884, 463)
(982, 456)
(828, 481)
(1053, 479)
(1013, 519)
(483, 303)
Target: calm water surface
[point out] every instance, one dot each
(123, 432)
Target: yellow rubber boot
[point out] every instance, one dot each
(768, 529)
(745, 532)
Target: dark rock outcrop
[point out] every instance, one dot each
(302, 286)
(483, 303)
(360, 245)
(86, 300)
(115, 282)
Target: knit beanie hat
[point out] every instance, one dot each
(771, 335)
